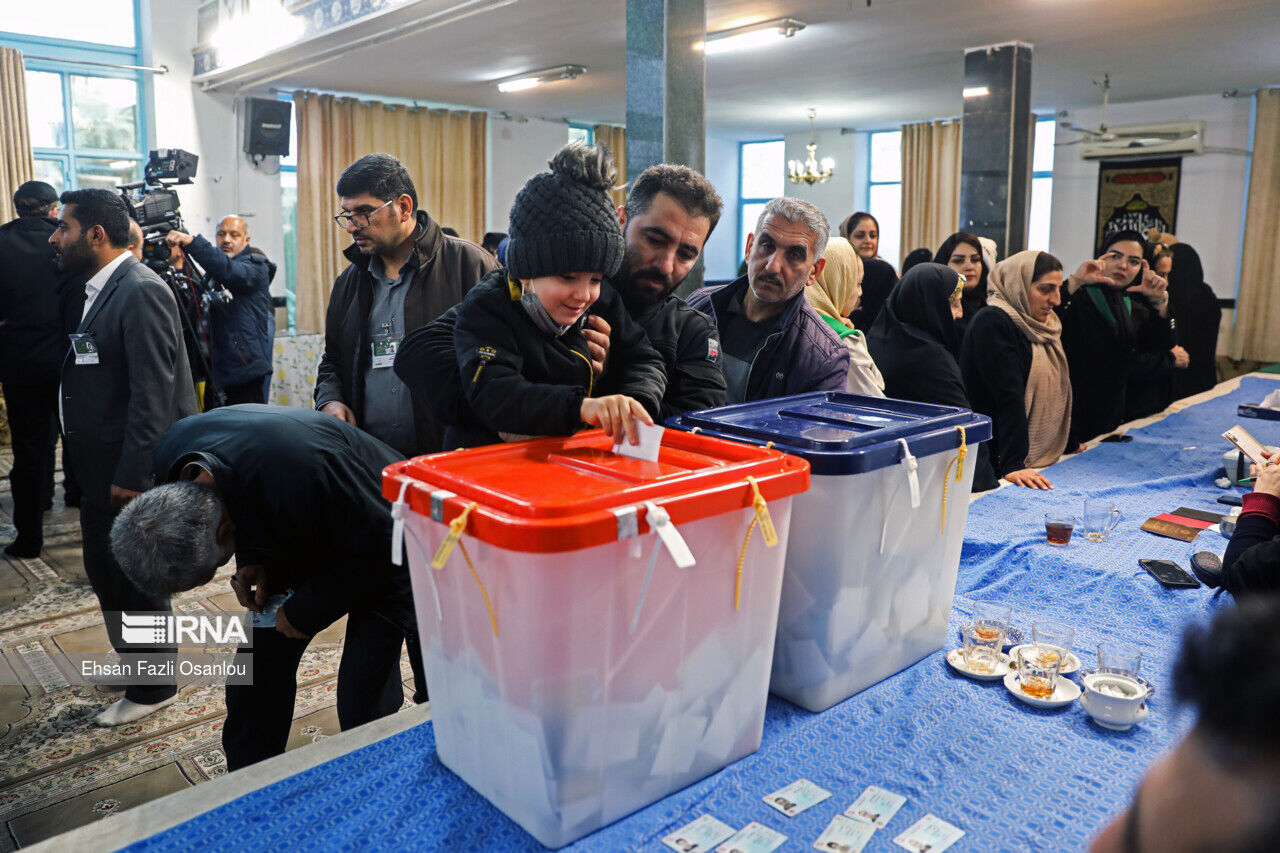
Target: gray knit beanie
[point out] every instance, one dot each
(563, 221)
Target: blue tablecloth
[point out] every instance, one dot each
(1012, 777)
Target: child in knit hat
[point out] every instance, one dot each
(524, 362)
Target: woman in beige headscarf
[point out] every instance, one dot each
(1015, 370)
(834, 295)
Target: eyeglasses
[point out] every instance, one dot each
(360, 220)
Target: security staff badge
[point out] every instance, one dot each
(384, 350)
(85, 348)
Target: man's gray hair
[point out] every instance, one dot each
(165, 539)
(801, 213)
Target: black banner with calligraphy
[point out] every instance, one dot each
(1137, 195)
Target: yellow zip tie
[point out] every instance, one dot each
(766, 529)
(454, 537)
(946, 477)
(768, 445)
(493, 618)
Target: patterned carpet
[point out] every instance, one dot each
(57, 770)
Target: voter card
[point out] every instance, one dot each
(844, 835)
(929, 833)
(647, 449)
(85, 348)
(699, 835)
(384, 350)
(796, 797)
(753, 838)
(876, 806)
(267, 618)
(1246, 444)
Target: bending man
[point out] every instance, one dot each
(296, 496)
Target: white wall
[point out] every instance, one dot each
(210, 126)
(835, 198)
(720, 256)
(517, 150)
(1210, 200)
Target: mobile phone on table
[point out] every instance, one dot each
(1169, 573)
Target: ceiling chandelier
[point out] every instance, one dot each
(811, 171)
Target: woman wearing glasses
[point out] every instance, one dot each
(1114, 310)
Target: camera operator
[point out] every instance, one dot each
(240, 328)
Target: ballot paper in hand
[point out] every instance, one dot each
(647, 449)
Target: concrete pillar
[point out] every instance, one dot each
(666, 89)
(995, 170)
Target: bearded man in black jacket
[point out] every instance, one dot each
(296, 495)
(668, 216)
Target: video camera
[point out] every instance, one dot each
(155, 205)
(155, 208)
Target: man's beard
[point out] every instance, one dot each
(638, 287)
(74, 258)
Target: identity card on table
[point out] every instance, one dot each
(844, 835)
(929, 833)
(699, 835)
(796, 797)
(753, 838)
(876, 806)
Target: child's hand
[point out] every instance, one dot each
(617, 415)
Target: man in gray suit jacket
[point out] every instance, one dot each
(125, 381)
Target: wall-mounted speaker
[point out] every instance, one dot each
(266, 127)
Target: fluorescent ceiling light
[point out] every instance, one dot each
(536, 78)
(751, 36)
(976, 92)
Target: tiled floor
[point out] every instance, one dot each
(57, 770)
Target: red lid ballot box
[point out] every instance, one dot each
(598, 630)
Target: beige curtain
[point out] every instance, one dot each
(16, 167)
(1257, 314)
(444, 152)
(615, 139)
(930, 183)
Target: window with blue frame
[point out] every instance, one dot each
(289, 205)
(761, 177)
(884, 190)
(87, 116)
(582, 133)
(1041, 184)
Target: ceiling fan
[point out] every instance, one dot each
(1136, 137)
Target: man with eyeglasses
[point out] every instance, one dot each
(404, 272)
(1114, 313)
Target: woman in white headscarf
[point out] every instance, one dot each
(834, 296)
(1015, 369)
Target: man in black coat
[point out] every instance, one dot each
(296, 495)
(32, 344)
(125, 380)
(404, 272)
(241, 330)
